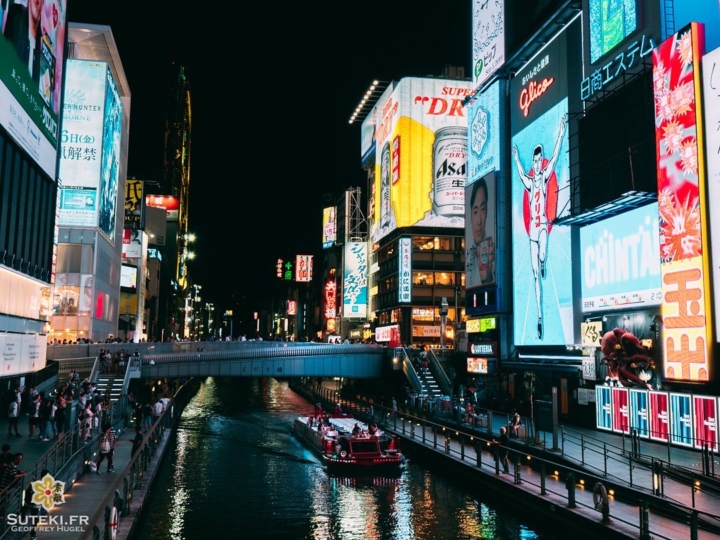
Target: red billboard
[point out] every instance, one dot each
(620, 410)
(167, 202)
(659, 416)
(705, 409)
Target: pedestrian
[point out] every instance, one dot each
(87, 422)
(60, 418)
(147, 417)
(47, 420)
(12, 472)
(31, 509)
(158, 410)
(501, 450)
(13, 412)
(106, 448)
(34, 416)
(394, 408)
(137, 441)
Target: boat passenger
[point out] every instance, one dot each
(357, 430)
(372, 430)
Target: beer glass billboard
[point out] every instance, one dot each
(420, 170)
(540, 191)
(31, 76)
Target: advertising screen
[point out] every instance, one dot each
(405, 270)
(480, 233)
(686, 312)
(31, 76)
(484, 124)
(540, 175)
(110, 172)
(621, 261)
(421, 157)
(329, 234)
(620, 410)
(134, 207)
(387, 334)
(128, 277)
(711, 96)
(639, 412)
(603, 408)
(659, 416)
(610, 22)
(488, 25)
(81, 148)
(167, 202)
(132, 244)
(355, 291)
(681, 419)
(303, 268)
(705, 409)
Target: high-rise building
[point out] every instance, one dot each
(92, 167)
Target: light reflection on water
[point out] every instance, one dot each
(235, 470)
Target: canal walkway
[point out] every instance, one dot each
(537, 470)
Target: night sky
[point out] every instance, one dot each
(273, 87)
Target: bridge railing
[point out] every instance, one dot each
(281, 350)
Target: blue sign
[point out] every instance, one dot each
(681, 421)
(621, 261)
(639, 419)
(603, 407)
(484, 133)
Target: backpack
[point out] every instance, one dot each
(105, 445)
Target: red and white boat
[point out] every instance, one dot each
(342, 451)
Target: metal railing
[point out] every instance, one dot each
(471, 447)
(81, 365)
(439, 372)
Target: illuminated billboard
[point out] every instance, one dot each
(610, 22)
(405, 270)
(421, 157)
(303, 268)
(621, 261)
(329, 234)
(110, 171)
(330, 299)
(81, 151)
(134, 207)
(480, 233)
(170, 204)
(711, 97)
(355, 290)
(488, 25)
(686, 310)
(128, 277)
(484, 133)
(31, 76)
(132, 244)
(540, 179)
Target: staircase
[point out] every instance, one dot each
(430, 387)
(113, 381)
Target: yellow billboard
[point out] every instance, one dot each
(420, 165)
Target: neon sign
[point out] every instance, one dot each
(532, 93)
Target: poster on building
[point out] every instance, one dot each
(488, 26)
(705, 417)
(303, 268)
(621, 411)
(603, 408)
(480, 233)
(405, 270)
(134, 204)
(639, 412)
(681, 420)
(484, 133)
(659, 412)
(329, 225)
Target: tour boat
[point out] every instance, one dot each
(342, 451)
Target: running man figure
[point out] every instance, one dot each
(536, 186)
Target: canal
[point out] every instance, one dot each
(235, 470)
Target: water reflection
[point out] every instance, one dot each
(234, 469)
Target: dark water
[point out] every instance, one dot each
(235, 471)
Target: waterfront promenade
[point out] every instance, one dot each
(89, 492)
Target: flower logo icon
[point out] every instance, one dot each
(48, 492)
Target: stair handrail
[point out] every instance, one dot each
(95, 370)
(408, 369)
(439, 373)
